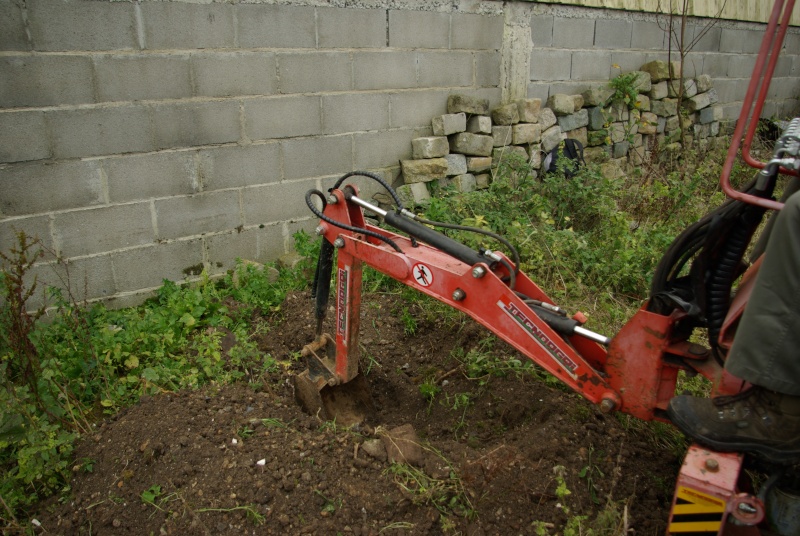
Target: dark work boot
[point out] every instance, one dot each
(756, 421)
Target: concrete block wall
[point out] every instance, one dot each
(143, 141)
(573, 47)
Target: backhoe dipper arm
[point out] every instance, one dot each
(468, 280)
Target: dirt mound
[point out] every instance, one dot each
(245, 459)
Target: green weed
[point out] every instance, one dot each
(89, 357)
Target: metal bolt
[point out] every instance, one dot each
(712, 465)
(338, 243)
(747, 508)
(320, 230)
(332, 199)
(478, 272)
(459, 294)
(607, 405)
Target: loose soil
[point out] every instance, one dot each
(245, 459)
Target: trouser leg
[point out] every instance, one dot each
(766, 351)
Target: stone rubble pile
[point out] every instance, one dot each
(470, 139)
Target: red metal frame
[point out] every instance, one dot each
(611, 378)
(752, 107)
(638, 372)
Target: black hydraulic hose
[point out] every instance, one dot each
(727, 270)
(436, 239)
(512, 276)
(340, 225)
(511, 248)
(374, 177)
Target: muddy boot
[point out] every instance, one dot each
(756, 421)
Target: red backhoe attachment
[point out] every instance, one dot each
(635, 372)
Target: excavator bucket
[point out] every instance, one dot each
(319, 392)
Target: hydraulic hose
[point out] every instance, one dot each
(728, 269)
(311, 193)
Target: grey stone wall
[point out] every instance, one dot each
(573, 47)
(146, 140)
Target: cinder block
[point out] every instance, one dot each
(351, 27)
(88, 279)
(38, 188)
(612, 33)
(12, 27)
(143, 77)
(385, 70)
(539, 90)
(731, 90)
(208, 212)
(741, 66)
(367, 187)
(234, 167)
(647, 35)
(355, 112)
(380, 149)
(316, 157)
(590, 65)
(415, 109)
(549, 64)
(103, 229)
(174, 25)
(627, 60)
(147, 176)
(275, 26)
(276, 203)
(224, 249)
(710, 39)
(573, 33)
(445, 69)
(45, 80)
(782, 69)
(34, 227)
(235, 73)
(476, 32)
(100, 131)
(487, 68)
(195, 123)
(716, 65)
(23, 136)
(313, 72)
(147, 267)
(736, 40)
(78, 25)
(542, 30)
(419, 29)
(282, 117)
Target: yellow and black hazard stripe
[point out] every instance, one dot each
(696, 513)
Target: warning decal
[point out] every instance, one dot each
(696, 512)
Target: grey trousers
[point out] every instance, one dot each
(766, 350)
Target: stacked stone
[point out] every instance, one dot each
(701, 118)
(468, 140)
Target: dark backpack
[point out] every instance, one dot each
(569, 149)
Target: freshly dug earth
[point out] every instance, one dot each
(245, 459)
